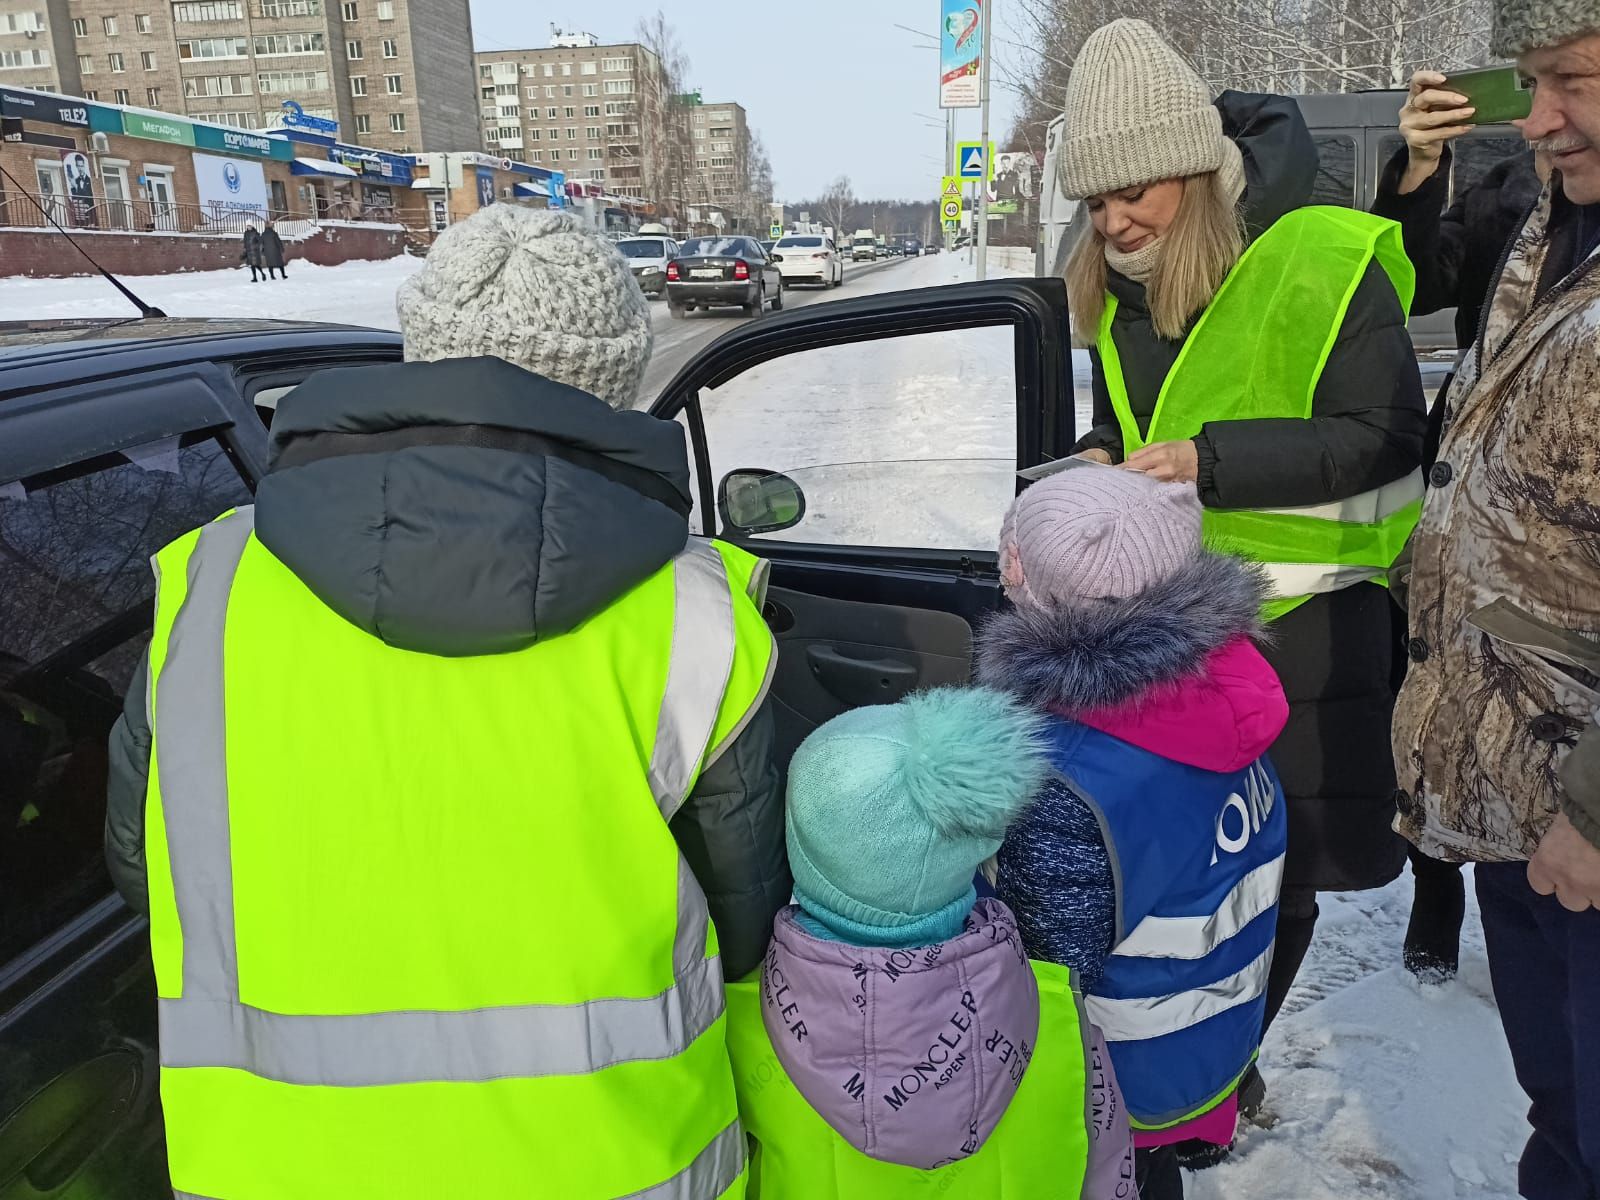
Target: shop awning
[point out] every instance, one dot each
(427, 185)
(321, 167)
(533, 188)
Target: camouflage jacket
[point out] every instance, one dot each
(1505, 583)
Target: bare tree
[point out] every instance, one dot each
(664, 150)
(836, 204)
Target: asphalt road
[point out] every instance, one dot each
(678, 341)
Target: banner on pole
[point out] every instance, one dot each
(961, 64)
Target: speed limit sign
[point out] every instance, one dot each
(952, 210)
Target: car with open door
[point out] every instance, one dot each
(727, 271)
(867, 449)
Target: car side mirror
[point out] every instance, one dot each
(753, 501)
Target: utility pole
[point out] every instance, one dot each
(981, 235)
(949, 169)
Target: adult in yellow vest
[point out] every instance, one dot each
(897, 1041)
(1259, 351)
(448, 788)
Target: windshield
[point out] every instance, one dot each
(643, 249)
(715, 245)
(800, 241)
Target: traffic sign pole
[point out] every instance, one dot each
(981, 234)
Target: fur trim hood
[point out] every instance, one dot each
(1112, 653)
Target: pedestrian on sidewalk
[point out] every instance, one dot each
(1150, 863)
(897, 1041)
(1281, 386)
(272, 254)
(1455, 252)
(457, 763)
(1494, 738)
(250, 252)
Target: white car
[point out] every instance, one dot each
(808, 258)
(647, 259)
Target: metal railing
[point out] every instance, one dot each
(26, 210)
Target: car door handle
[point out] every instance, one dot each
(68, 1122)
(858, 680)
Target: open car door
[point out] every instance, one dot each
(868, 450)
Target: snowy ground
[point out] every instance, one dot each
(1380, 1088)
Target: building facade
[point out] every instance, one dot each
(720, 175)
(235, 62)
(36, 45)
(592, 111)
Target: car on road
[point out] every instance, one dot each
(647, 259)
(766, 245)
(727, 271)
(864, 246)
(913, 249)
(808, 258)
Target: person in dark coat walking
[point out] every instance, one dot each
(272, 252)
(1456, 252)
(1359, 443)
(250, 254)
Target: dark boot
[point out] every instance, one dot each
(1297, 921)
(1438, 905)
(1197, 1154)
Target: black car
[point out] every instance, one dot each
(118, 436)
(723, 272)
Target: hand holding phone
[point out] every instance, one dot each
(1497, 95)
(1433, 116)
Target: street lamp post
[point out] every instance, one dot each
(981, 237)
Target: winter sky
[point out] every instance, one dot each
(831, 85)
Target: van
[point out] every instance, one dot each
(864, 246)
(1356, 134)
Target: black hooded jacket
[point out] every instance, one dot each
(469, 507)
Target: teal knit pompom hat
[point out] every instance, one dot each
(893, 809)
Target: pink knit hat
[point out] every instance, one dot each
(1096, 533)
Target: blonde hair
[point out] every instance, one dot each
(1198, 250)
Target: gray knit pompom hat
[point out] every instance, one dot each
(1138, 113)
(1523, 25)
(536, 289)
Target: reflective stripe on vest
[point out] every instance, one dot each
(1278, 313)
(1147, 1017)
(1190, 938)
(206, 1027)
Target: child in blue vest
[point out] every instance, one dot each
(1150, 863)
(897, 1041)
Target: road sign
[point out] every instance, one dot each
(775, 232)
(950, 188)
(951, 210)
(974, 161)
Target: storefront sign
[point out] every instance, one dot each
(558, 189)
(230, 185)
(374, 165)
(158, 129)
(33, 106)
(297, 118)
(238, 141)
(11, 130)
(492, 161)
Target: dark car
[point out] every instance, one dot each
(118, 436)
(723, 272)
(913, 249)
(766, 246)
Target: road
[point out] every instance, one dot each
(678, 341)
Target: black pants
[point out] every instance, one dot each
(1158, 1174)
(1545, 965)
(274, 272)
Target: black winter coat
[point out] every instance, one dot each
(443, 545)
(271, 248)
(1336, 654)
(250, 250)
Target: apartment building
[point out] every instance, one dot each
(720, 135)
(235, 62)
(36, 45)
(578, 107)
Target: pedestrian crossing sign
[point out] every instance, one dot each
(951, 188)
(974, 160)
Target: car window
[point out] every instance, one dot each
(901, 442)
(807, 242)
(643, 249)
(75, 602)
(1336, 170)
(1475, 157)
(715, 245)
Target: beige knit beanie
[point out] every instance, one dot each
(1138, 113)
(536, 289)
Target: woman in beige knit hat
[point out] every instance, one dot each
(1256, 349)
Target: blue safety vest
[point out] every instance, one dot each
(1197, 857)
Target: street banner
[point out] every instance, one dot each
(230, 185)
(961, 62)
(80, 188)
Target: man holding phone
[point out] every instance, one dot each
(1496, 747)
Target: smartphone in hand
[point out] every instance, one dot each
(1500, 94)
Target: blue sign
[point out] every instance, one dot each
(558, 189)
(230, 177)
(971, 161)
(298, 118)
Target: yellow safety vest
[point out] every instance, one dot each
(1040, 1148)
(1258, 351)
(420, 928)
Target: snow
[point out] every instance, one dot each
(1379, 1088)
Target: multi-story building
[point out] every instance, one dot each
(36, 45)
(720, 135)
(395, 74)
(596, 113)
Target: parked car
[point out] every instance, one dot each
(648, 258)
(808, 258)
(117, 436)
(723, 272)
